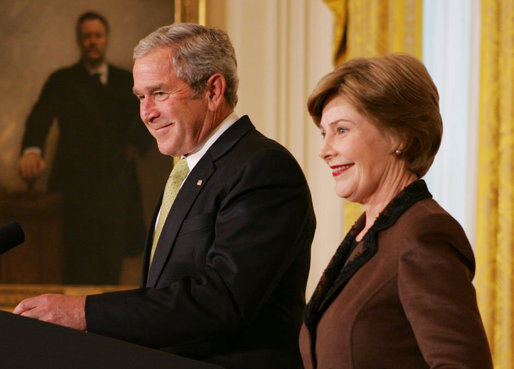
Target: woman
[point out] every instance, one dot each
(398, 291)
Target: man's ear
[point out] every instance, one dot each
(215, 91)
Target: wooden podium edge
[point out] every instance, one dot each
(12, 294)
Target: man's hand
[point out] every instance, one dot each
(68, 311)
(30, 166)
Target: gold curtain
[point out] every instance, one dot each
(495, 201)
(365, 28)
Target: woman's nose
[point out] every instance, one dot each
(326, 151)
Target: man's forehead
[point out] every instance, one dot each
(162, 53)
(92, 24)
(156, 61)
(152, 72)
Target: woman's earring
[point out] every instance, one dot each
(398, 152)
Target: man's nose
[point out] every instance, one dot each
(148, 110)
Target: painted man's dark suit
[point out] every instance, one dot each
(228, 278)
(103, 218)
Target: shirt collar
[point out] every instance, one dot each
(101, 69)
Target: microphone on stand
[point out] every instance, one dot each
(11, 235)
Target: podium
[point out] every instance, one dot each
(28, 343)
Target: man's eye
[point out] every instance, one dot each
(160, 95)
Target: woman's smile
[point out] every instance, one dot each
(339, 169)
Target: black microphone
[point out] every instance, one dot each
(11, 235)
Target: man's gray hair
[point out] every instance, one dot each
(198, 53)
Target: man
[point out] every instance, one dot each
(94, 167)
(226, 280)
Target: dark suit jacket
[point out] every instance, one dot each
(402, 298)
(228, 278)
(103, 218)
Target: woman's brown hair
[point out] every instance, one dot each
(394, 91)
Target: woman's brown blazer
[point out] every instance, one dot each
(402, 298)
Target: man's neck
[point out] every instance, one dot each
(222, 114)
(212, 121)
(194, 157)
(92, 65)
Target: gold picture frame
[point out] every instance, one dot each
(193, 11)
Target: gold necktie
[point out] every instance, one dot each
(177, 176)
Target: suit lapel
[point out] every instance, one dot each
(194, 183)
(198, 179)
(368, 251)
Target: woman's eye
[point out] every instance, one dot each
(341, 130)
(322, 134)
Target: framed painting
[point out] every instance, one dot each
(190, 11)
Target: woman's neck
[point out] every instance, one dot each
(386, 192)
